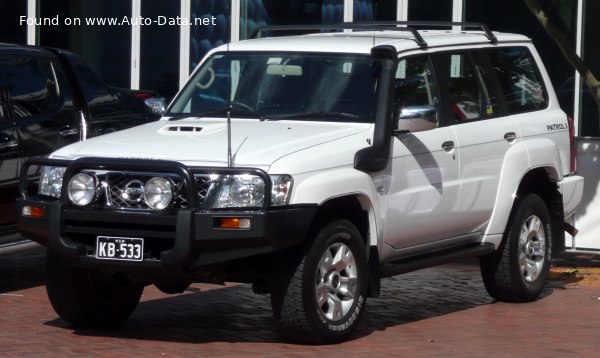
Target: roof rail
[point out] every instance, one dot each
(382, 25)
(344, 26)
(483, 27)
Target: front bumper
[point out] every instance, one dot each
(180, 241)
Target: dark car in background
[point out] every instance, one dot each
(50, 98)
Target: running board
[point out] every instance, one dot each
(439, 258)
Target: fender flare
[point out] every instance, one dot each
(326, 186)
(519, 161)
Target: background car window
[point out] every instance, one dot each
(94, 89)
(520, 79)
(30, 83)
(415, 91)
(468, 87)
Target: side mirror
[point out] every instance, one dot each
(417, 119)
(158, 105)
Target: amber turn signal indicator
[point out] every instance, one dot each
(34, 211)
(232, 223)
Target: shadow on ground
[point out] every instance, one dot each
(235, 314)
(22, 270)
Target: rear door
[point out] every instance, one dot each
(484, 131)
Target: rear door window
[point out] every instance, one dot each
(471, 95)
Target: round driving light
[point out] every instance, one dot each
(82, 189)
(158, 193)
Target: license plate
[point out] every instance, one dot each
(120, 248)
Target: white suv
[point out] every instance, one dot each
(312, 166)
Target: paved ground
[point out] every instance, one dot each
(437, 312)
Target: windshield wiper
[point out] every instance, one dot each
(317, 114)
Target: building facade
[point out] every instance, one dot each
(154, 44)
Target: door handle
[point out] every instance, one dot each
(448, 146)
(510, 137)
(7, 143)
(68, 131)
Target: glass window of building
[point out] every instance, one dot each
(430, 10)
(211, 27)
(375, 10)
(12, 30)
(256, 13)
(105, 47)
(159, 48)
(590, 117)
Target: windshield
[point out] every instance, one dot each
(301, 86)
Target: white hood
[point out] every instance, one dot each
(196, 141)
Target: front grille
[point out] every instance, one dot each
(203, 185)
(117, 183)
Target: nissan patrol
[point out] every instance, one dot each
(312, 166)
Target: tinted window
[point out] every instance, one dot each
(520, 80)
(415, 91)
(30, 83)
(94, 89)
(468, 86)
(302, 86)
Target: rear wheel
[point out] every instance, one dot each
(90, 298)
(322, 297)
(518, 270)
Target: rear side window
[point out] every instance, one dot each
(520, 79)
(30, 83)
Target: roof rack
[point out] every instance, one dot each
(483, 27)
(343, 26)
(404, 26)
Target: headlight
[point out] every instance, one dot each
(241, 191)
(51, 181)
(158, 193)
(82, 189)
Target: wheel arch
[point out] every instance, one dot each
(358, 209)
(543, 182)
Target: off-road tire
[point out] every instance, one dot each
(518, 270)
(88, 298)
(299, 315)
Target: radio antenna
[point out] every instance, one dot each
(229, 157)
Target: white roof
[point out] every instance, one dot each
(362, 42)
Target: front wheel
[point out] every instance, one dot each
(322, 297)
(518, 270)
(89, 298)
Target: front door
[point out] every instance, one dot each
(9, 153)
(423, 176)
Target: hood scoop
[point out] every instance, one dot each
(186, 128)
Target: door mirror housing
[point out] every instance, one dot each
(417, 118)
(157, 104)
